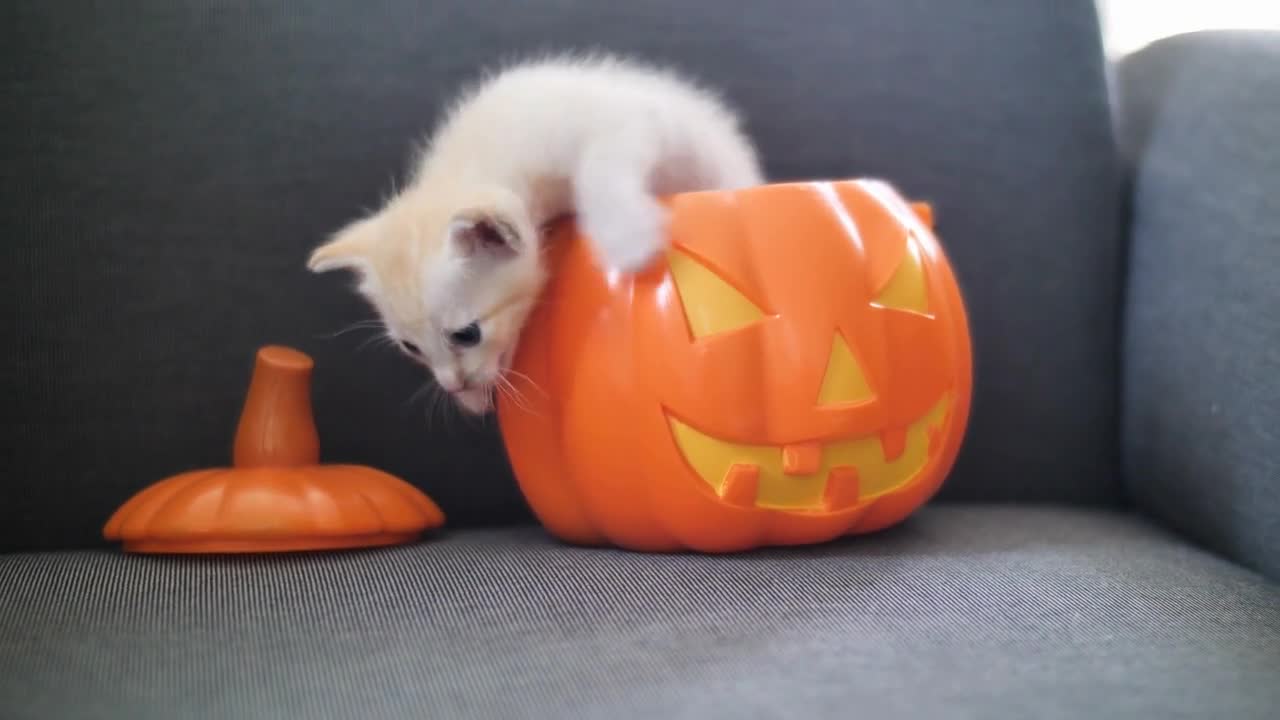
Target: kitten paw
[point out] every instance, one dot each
(629, 241)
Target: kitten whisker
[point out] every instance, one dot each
(504, 390)
(517, 398)
(440, 406)
(420, 392)
(353, 327)
(380, 340)
(526, 378)
(515, 393)
(425, 391)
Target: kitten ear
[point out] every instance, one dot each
(348, 249)
(483, 235)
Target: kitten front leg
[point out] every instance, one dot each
(614, 200)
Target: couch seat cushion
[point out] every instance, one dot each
(964, 611)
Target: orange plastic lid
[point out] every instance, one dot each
(275, 497)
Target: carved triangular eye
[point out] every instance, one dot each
(710, 304)
(906, 287)
(844, 382)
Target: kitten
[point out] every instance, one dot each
(452, 264)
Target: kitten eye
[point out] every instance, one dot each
(466, 337)
(410, 347)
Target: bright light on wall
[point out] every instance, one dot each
(1130, 24)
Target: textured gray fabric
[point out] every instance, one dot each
(1202, 343)
(963, 612)
(167, 168)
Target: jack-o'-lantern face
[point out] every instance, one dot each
(799, 360)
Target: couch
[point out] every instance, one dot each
(1108, 544)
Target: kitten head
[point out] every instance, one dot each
(452, 275)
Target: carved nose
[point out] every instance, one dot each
(801, 458)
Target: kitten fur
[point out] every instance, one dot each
(456, 250)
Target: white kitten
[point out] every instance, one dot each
(452, 262)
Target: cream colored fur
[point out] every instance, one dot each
(598, 137)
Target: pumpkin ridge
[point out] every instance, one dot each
(140, 520)
(144, 498)
(855, 200)
(426, 512)
(220, 512)
(883, 194)
(314, 492)
(381, 499)
(301, 489)
(836, 204)
(178, 505)
(384, 526)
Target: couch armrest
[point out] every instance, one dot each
(1199, 119)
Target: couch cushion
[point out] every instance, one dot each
(168, 168)
(972, 612)
(1202, 341)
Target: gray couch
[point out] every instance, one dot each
(1107, 546)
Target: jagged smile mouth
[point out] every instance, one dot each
(810, 476)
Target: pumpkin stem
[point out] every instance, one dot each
(924, 211)
(276, 426)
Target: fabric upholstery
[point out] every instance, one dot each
(168, 167)
(1202, 341)
(963, 612)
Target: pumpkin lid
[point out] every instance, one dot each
(276, 496)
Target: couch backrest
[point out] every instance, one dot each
(169, 164)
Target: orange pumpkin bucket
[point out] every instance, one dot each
(276, 497)
(797, 368)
